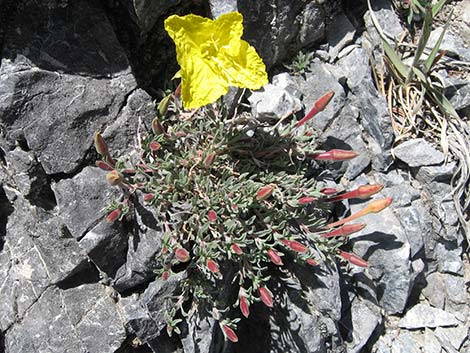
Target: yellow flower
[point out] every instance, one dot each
(213, 57)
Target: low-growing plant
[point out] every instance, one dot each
(232, 194)
(300, 64)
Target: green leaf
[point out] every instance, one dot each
(395, 59)
(429, 61)
(437, 7)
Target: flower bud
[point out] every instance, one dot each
(103, 166)
(148, 197)
(163, 105)
(229, 333)
(236, 249)
(154, 146)
(311, 262)
(182, 255)
(157, 127)
(244, 306)
(294, 245)
(100, 144)
(165, 275)
(212, 266)
(306, 200)
(113, 215)
(334, 155)
(114, 178)
(209, 159)
(345, 230)
(274, 257)
(264, 192)
(353, 258)
(266, 296)
(212, 216)
(328, 191)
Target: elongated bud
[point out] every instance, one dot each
(129, 171)
(373, 207)
(266, 296)
(113, 215)
(362, 192)
(328, 191)
(345, 230)
(229, 333)
(274, 257)
(212, 216)
(353, 258)
(319, 105)
(295, 245)
(334, 155)
(157, 127)
(244, 306)
(114, 178)
(148, 197)
(311, 262)
(306, 200)
(100, 144)
(236, 249)
(264, 192)
(178, 89)
(163, 105)
(209, 159)
(212, 266)
(154, 146)
(165, 275)
(182, 255)
(103, 165)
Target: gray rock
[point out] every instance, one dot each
(219, 7)
(81, 199)
(422, 315)
(449, 257)
(85, 321)
(453, 335)
(418, 153)
(144, 244)
(340, 33)
(387, 18)
(52, 95)
(287, 82)
(365, 317)
(405, 342)
(441, 173)
(431, 343)
(36, 254)
(273, 102)
(201, 333)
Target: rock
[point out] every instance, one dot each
(365, 317)
(340, 33)
(273, 103)
(405, 342)
(457, 91)
(36, 254)
(219, 7)
(418, 153)
(106, 245)
(53, 97)
(422, 315)
(430, 344)
(449, 257)
(146, 12)
(451, 43)
(287, 82)
(440, 173)
(86, 321)
(81, 199)
(387, 18)
(144, 244)
(201, 333)
(453, 335)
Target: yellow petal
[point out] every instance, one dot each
(213, 57)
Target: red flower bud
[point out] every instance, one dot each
(212, 266)
(236, 249)
(319, 105)
(274, 257)
(266, 296)
(212, 216)
(100, 144)
(182, 255)
(244, 306)
(148, 197)
(155, 146)
(328, 191)
(209, 159)
(345, 230)
(334, 155)
(362, 192)
(165, 275)
(306, 200)
(312, 262)
(129, 171)
(103, 165)
(295, 245)
(113, 215)
(264, 192)
(353, 258)
(229, 333)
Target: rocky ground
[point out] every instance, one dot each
(70, 282)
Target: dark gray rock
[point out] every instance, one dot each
(417, 223)
(144, 244)
(54, 97)
(81, 199)
(37, 253)
(85, 321)
(365, 317)
(418, 153)
(273, 103)
(340, 33)
(440, 173)
(106, 245)
(422, 315)
(201, 333)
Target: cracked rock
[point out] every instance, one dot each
(422, 315)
